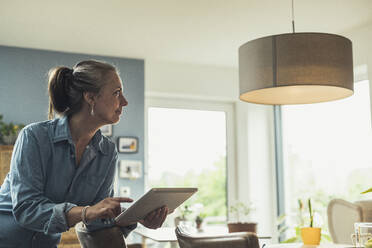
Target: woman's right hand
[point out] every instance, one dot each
(105, 209)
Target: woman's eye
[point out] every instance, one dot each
(117, 93)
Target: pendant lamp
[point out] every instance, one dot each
(296, 68)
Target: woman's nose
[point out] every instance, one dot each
(124, 101)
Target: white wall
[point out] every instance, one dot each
(253, 171)
(362, 51)
(195, 81)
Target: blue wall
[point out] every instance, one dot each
(24, 98)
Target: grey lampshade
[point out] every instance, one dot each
(296, 68)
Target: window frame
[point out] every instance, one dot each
(209, 105)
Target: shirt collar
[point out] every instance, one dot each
(99, 142)
(62, 132)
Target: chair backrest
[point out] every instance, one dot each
(366, 206)
(231, 240)
(341, 218)
(109, 237)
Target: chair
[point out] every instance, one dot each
(343, 214)
(110, 237)
(231, 240)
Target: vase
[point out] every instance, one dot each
(310, 235)
(198, 224)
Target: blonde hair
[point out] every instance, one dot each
(66, 86)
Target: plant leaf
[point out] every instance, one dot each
(326, 236)
(367, 191)
(291, 240)
(281, 219)
(283, 229)
(298, 231)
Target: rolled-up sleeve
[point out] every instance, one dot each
(31, 208)
(107, 190)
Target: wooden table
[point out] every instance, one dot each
(300, 245)
(167, 234)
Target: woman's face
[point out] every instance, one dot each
(110, 101)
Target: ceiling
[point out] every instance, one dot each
(192, 31)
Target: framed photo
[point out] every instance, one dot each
(131, 169)
(127, 144)
(107, 130)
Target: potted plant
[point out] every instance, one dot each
(299, 221)
(9, 132)
(199, 220)
(311, 235)
(240, 212)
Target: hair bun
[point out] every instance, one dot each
(67, 74)
(59, 83)
(65, 78)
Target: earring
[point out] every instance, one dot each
(92, 110)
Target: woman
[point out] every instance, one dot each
(62, 170)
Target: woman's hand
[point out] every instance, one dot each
(156, 218)
(105, 209)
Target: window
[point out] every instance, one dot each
(187, 147)
(327, 151)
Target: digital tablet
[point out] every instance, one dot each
(154, 199)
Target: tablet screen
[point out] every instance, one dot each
(154, 199)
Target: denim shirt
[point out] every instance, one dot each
(44, 183)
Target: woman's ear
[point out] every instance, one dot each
(89, 97)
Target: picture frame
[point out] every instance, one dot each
(127, 144)
(130, 169)
(106, 130)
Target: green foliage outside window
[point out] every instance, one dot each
(211, 186)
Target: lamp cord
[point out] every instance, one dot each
(293, 23)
